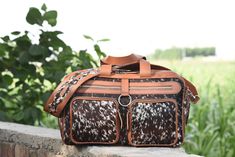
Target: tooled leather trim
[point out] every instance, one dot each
(95, 98)
(152, 101)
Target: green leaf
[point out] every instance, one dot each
(44, 7)
(24, 58)
(31, 69)
(50, 17)
(45, 96)
(2, 49)
(103, 40)
(50, 39)
(88, 37)
(98, 51)
(19, 116)
(23, 43)
(7, 79)
(34, 17)
(15, 33)
(5, 38)
(36, 50)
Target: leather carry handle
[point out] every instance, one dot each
(132, 58)
(144, 68)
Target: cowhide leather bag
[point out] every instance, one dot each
(126, 101)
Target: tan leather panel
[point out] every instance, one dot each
(134, 88)
(155, 74)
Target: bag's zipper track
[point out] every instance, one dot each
(131, 88)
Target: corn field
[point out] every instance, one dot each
(211, 127)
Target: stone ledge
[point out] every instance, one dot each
(17, 140)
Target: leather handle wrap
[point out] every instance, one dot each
(144, 68)
(132, 58)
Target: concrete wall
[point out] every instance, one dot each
(18, 140)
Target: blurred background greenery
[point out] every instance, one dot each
(31, 68)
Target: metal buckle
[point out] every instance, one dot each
(124, 105)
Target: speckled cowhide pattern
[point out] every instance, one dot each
(94, 121)
(151, 123)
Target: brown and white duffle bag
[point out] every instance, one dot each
(126, 101)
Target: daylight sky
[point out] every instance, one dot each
(138, 26)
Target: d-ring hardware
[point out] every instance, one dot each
(124, 105)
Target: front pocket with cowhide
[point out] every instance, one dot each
(153, 122)
(94, 120)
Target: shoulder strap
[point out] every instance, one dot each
(65, 90)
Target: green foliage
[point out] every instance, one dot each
(31, 68)
(175, 53)
(168, 54)
(210, 131)
(193, 52)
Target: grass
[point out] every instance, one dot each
(211, 127)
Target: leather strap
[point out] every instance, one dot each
(145, 68)
(132, 58)
(106, 69)
(72, 90)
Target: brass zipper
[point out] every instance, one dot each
(130, 88)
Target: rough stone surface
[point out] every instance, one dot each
(18, 140)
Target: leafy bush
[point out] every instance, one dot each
(32, 66)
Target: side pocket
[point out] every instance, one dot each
(94, 120)
(153, 122)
